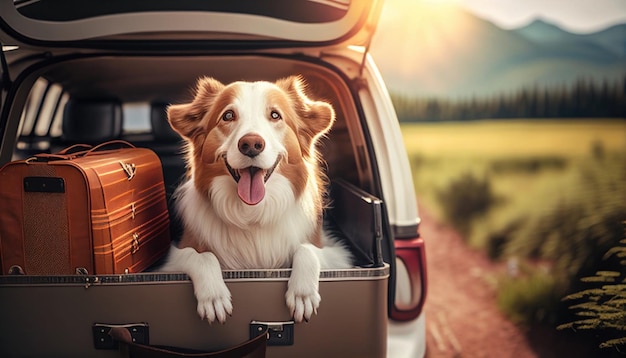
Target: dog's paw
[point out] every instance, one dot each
(214, 302)
(302, 301)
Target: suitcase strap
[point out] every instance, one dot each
(253, 348)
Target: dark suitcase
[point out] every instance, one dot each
(69, 316)
(97, 211)
(357, 216)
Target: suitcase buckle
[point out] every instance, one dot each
(278, 333)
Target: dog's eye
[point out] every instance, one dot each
(228, 116)
(275, 115)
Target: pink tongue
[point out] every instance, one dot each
(251, 187)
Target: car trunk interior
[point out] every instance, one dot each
(96, 87)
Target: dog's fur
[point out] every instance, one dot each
(235, 217)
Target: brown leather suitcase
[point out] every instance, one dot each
(97, 211)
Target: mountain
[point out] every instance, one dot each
(613, 38)
(544, 32)
(444, 51)
(606, 43)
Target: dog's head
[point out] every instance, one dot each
(251, 131)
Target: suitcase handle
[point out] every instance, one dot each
(46, 157)
(74, 151)
(253, 348)
(68, 153)
(100, 147)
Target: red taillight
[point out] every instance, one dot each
(410, 293)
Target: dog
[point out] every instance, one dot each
(254, 193)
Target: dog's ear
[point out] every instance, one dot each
(185, 118)
(315, 118)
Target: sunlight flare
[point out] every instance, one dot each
(430, 28)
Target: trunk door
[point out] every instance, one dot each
(160, 24)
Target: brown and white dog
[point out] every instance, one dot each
(254, 194)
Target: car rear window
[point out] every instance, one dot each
(303, 11)
(136, 118)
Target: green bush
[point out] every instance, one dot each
(576, 229)
(530, 298)
(464, 199)
(497, 239)
(572, 233)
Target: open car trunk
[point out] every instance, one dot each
(148, 54)
(353, 315)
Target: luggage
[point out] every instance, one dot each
(69, 316)
(159, 308)
(357, 216)
(96, 211)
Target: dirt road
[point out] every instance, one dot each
(461, 312)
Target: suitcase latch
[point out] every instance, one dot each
(102, 338)
(129, 169)
(278, 333)
(134, 246)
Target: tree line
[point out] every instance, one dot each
(583, 99)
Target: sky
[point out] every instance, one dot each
(580, 16)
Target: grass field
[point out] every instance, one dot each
(440, 152)
(546, 190)
(492, 138)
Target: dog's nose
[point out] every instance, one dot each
(251, 145)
